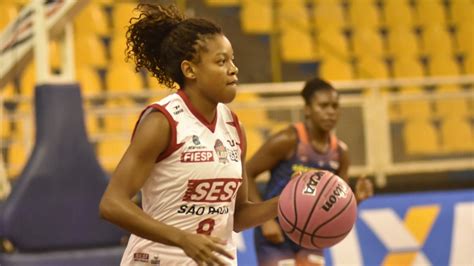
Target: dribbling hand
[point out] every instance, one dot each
(202, 249)
(272, 232)
(364, 188)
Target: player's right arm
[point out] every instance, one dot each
(151, 138)
(279, 147)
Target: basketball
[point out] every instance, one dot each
(317, 209)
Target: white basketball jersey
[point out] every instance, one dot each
(194, 183)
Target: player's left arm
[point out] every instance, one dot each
(364, 188)
(248, 214)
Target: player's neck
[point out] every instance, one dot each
(206, 108)
(316, 134)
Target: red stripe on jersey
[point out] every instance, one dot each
(236, 124)
(172, 145)
(211, 125)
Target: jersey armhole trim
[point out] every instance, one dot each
(172, 145)
(301, 132)
(243, 142)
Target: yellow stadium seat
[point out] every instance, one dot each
(122, 12)
(115, 120)
(416, 109)
(451, 107)
(420, 138)
(465, 38)
(407, 67)
(118, 47)
(436, 39)
(89, 80)
(250, 116)
(332, 43)
(367, 42)
(461, 11)
(155, 85)
(89, 51)
(443, 64)
(8, 12)
(469, 64)
(28, 80)
(371, 68)
(91, 124)
(6, 94)
(254, 140)
(92, 20)
(296, 46)
(123, 78)
(398, 14)
(457, 135)
(55, 54)
(17, 155)
(329, 15)
(363, 14)
(8, 91)
(256, 16)
(430, 13)
(109, 152)
(103, 2)
(402, 42)
(224, 3)
(6, 131)
(295, 37)
(336, 69)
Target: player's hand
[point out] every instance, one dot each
(202, 249)
(272, 232)
(364, 188)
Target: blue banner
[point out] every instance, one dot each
(408, 229)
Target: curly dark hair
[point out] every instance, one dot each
(312, 86)
(160, 38)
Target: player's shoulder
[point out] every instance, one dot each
(285, 138)
(342, 145)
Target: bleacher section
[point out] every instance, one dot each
(347, 39)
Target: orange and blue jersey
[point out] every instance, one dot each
(304, 159)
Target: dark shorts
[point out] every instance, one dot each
(269, 254)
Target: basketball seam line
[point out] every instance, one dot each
(294, 206)
(312, 209)
(334, 217)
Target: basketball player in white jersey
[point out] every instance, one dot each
(187, 151)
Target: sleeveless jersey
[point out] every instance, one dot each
(194, 183)
(304, 159)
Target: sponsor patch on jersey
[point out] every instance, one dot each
(197, 156)
(155, 260)
(212, 190)
(196, 140)
(177, 109)
(234, 155)
(142, 257)
(221, 151)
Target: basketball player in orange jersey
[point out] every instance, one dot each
(187, 151)
(300, 147)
